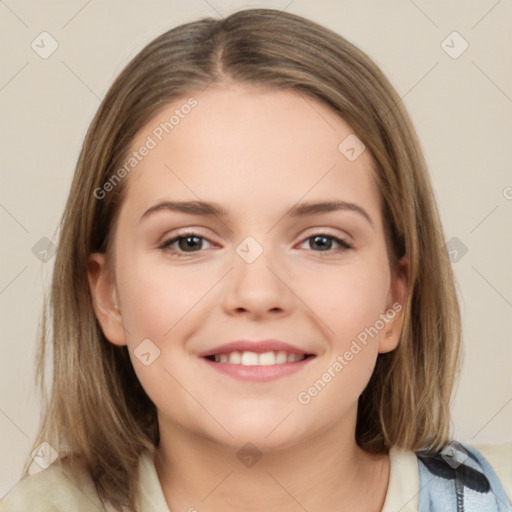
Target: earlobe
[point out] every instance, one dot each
(399, 289)
(103, 293)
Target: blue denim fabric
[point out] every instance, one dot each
(459, 479)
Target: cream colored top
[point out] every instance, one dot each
(56, 490)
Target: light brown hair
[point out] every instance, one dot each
(97, 407)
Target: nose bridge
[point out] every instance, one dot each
(253, 257)
(256, 283)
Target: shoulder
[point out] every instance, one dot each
(478, 474)
(499, 457)
(58, 488)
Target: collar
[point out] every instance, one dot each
(404, 482)
(402, 493)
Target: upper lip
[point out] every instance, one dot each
(258, 346)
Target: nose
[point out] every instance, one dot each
(258, 288)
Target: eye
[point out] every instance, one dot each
(187, 243)
(324, 241)
(191, 242)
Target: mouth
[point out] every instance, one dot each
(249, 358)
(257, 361)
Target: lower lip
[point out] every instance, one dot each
(258, 373)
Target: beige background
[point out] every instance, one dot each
(461, 108)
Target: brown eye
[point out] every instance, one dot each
(325, 242)
(186, 243)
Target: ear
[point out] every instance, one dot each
(103, 292)
(394, 315)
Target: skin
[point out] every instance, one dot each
(257, 153)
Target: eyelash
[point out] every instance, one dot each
(344, 245)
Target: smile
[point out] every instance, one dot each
(257, 367)
(248, 358)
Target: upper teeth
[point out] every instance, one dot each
(248, 358)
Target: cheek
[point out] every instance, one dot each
(350, 299)
(156, 295)
(351, 307)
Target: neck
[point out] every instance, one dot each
(328, 472)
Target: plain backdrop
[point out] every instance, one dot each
(461, 106)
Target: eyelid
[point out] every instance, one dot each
(330, 232)
(314, 231)
(193, 231)
(344, 245)
(340, 239)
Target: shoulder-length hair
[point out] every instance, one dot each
(98, 409)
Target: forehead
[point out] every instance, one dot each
(244, 145)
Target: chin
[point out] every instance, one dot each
(258, 442)
(266, 433)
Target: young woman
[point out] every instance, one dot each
(252, 307)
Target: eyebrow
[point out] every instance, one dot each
(210, 209)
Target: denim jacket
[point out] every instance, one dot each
(459, 479)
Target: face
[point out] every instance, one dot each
(263, 267)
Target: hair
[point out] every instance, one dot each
(98, 411)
